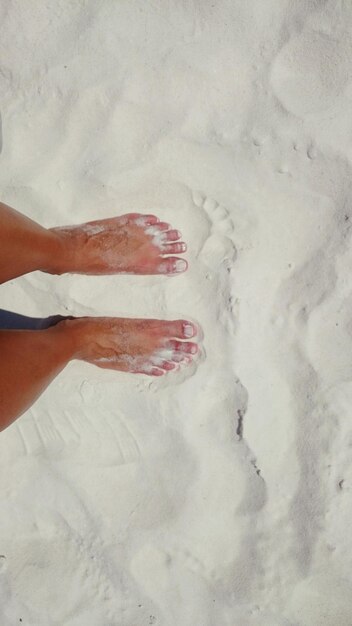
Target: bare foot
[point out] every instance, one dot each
(129, 244)
(140, 346)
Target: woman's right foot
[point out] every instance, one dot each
(140, 346)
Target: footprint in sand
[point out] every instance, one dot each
(219, 246)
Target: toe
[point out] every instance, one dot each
(179, 357)
(146, 220)
(173, 235)
(181, 329)
(185, 347)
(155, 371)
(151, 371)
(172, 265)
(129, 217)
(151, 219)
(162, 226)
(170, 329)
(167, 365)
(174, 248)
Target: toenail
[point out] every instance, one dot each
(180, 266)
(188, 330)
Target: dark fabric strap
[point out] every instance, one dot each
(15, 321)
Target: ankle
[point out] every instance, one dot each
(75, 333)
(54, 257)
(62, 256)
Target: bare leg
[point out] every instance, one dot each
(30, 360)
(25, 246)
(132, 244)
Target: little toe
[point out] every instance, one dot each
(172, 265)
(150, 370)
(174, 248)
(155, 371)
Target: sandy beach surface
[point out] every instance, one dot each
(220, 495)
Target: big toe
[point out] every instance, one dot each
(172, 265)
(181, 329)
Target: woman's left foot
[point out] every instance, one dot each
(138, 346)
(129, 244)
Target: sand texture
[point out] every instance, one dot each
(219, 495)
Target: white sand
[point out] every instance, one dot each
(220, 496)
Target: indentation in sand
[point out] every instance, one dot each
(312, 71)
